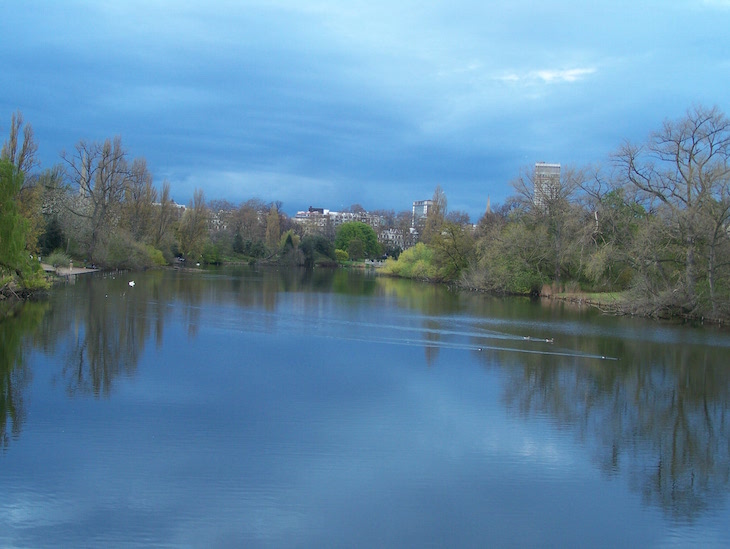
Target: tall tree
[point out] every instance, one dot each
(248, 220)
(16, 266)
(357, 238)
(193, 231)
(557, 211)
(12, 225)
(20, 152)
(100, 172)
(163, 219)
(683, 172)
(453, 249)
(138, 204)
(273, 233)
(435, 216)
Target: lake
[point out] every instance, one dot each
(244, 407)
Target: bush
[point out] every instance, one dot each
(58, 258)
(415, 262)
(123, 252)
(157, 257)
(211, 254)
(341, 255)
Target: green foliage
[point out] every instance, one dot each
(288, 243)
(52, 237)
(211, 254)
(316, 249)
(415, 262)
(17, 267)
(289, 254)
(192, 231)
(658, 226)
(453, 250)
(12, 225)
(121, 251)
(514, 257)
(58, 258)
(349, 233)
(257, 248)
(157, 257)
(290, 236)
(356, 249)
(238, 243)
(251, 248)
(14, 373)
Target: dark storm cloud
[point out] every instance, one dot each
(333, 103)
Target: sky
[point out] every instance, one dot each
(330, 103)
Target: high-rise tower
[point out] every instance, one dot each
(547, 183)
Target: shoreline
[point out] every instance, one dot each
(67, 271)
(621, 307)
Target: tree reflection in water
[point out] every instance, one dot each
(14, 375)
(110, 322)
(660, 416)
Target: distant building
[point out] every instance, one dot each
(324, 221)
(392, 237)
(420, 211)
(546, 182)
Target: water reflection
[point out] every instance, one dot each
(657, 417)
(14, 373)
(103, 327)
(105, 323)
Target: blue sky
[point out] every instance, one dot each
(334, 102)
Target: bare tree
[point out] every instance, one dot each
(100, 172)
(435, 215)
(459, 217)
(139, 197)
(556, 211)
(684, 171)
(194, 226)
(20, 154)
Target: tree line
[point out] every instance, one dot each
(652, 223)
(99, 207)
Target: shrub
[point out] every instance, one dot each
(58, 258)
(211, 254)
(415, 262)
(123, 252)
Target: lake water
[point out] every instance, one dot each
(258, 408)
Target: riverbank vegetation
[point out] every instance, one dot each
(650, 230)
(649, 227)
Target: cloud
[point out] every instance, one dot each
(564, 75)
(368, 95)
(547, 76)
(291, 188)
